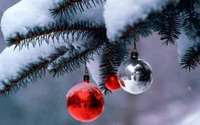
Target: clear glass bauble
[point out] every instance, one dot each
(135, 76)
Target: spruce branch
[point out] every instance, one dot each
(113, 55)
(171, 31)
(191, 25)
(187, 5)
(77, 57)
(167, 23)
(70, 7)
(191, 59)
(131, 30)
(31, 72)
(54, 31)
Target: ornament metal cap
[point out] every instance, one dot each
(86, 78)
(134, 55)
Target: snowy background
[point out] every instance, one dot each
(173, 98)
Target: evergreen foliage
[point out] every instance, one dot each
(167, 23)
(112, 56)
(31, 72)
(54, 31)
(75, 58)
(69, 8)
(191, 59)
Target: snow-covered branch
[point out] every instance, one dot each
(21, 67)
(118, 17)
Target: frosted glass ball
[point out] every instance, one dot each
(135, 76)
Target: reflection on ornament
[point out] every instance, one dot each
(111, 82)
(135, 76)
(85, 102)
(121, 81)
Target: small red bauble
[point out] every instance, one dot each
(85, 102)
(111, 82)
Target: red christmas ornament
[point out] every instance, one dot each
(85, 102)
(111, 82)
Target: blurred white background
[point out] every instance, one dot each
(173, 98)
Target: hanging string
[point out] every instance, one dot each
(110, 58)
(134, 54)
(135, 47)
(86, 69)
(86, 77)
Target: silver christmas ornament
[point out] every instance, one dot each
(135, 75)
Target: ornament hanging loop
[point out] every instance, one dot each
(134, 53)
(86, 77)
(135, 46)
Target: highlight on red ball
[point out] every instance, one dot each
(85, 102)
(111, 82)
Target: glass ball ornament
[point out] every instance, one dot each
(135, 75)
(111, 82)
(85, 102)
